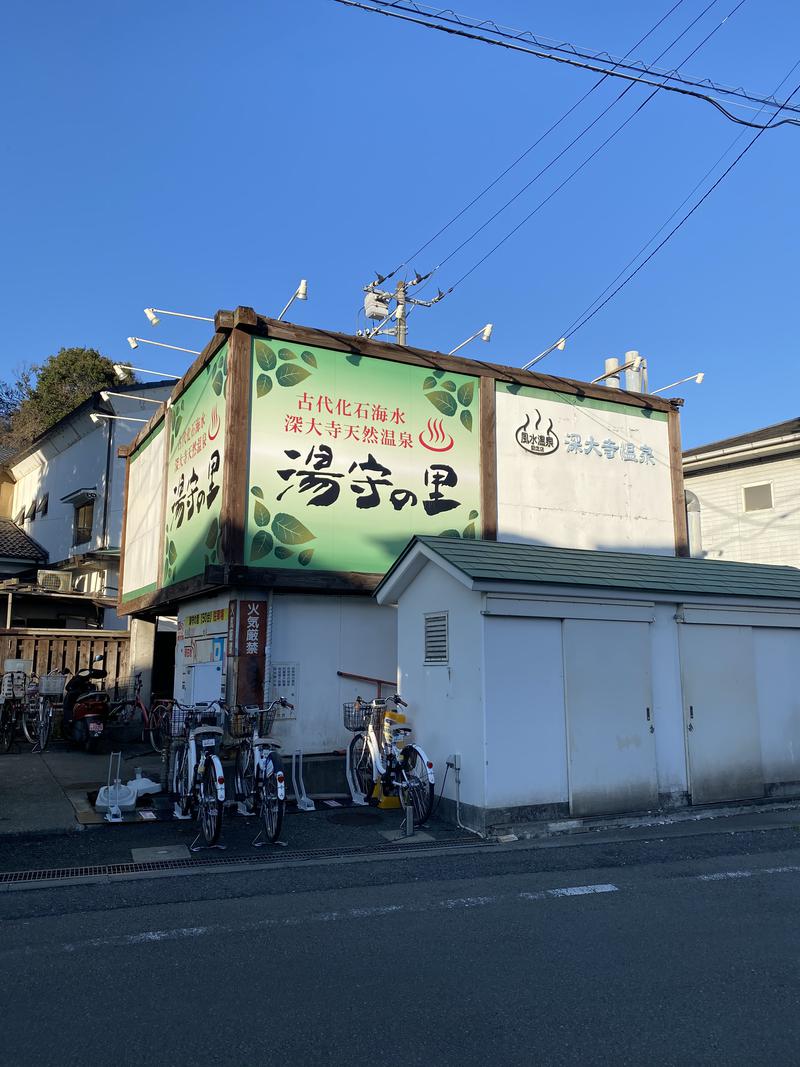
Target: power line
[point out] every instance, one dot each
(582, 164)
(536, 143)
(682, 222)
(667, 221)
(394, 12)
(448, 15)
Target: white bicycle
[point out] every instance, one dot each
(198, 780)
(259, 781)
(381, 753)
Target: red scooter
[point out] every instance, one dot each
(85, 709)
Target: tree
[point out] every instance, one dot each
(48, 391)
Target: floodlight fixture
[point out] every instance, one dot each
(97, 418)
(106, 393)
(300, 293)
(485, 334)
(123, 369)
(153, 313)
(632, 364)
(560, 344)
(134, 342)
(692, 378)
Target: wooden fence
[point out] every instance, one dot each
(55, 650)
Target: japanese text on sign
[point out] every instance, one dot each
(367, 480)
(627, 451)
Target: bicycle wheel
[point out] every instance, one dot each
(361, 765)
(157, 723)
(44, 724)
(244, 773)
(210, 812)
(30, 724)
(6, 727)
(271, 807)
(414, 788)
(181, 786)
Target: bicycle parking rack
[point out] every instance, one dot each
(114, 813)
(357, 796)
(304, 801)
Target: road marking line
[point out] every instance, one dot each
(582, 890)
(571, 891)
(723, 875)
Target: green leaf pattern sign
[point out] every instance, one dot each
(194, 478)
(351, 456)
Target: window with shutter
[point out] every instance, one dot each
(436, 648)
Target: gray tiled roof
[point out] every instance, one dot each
(766, 433)
(15, 543)
(500, 561)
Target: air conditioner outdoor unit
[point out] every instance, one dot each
(55, 581)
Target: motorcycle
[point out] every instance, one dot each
(85, 709)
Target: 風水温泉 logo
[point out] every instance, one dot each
(538, 440)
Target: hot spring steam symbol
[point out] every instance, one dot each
(436, 438)
(537, 441)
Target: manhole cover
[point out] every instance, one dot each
(354, 818)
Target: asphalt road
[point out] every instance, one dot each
(659, 953)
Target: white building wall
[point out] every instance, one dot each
(604, 482)
(526, 740)
(728, 532)
(313, 637)
(777, 660)
(667, 703)
(74, 456)
(445, 700)
(318, 636)
(81, 464)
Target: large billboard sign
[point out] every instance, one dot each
(143, 518)
(194, 473)
(582, 472)
(350, 456)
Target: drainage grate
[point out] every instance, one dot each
(103, 870)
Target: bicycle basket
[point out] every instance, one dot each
(356, 715)
(241, 719)
(183, 718)
(52, 685)
(124, 689)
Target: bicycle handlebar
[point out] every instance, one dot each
(396, 699)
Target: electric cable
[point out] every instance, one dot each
(667, 221)
(579, 167)
(680, 224)
(515, 46)
(487, 188)
(448, 15)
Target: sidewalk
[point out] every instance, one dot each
(48, 793)
(46, 798)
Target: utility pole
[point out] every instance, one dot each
(377, 307)
(400, 297)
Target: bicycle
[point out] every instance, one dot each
(259, 781)
(38, 721)
(13, 710)
(197, 777)
(126, 702)
(381, 753)
(30, 711)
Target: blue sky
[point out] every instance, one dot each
(195, 155)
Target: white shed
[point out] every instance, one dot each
(583, 683)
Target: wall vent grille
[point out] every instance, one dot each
(436, 638)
